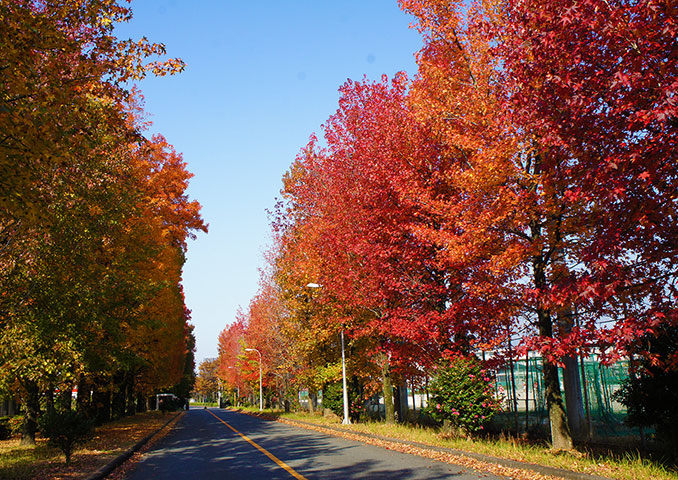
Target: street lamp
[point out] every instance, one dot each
(346, 420)
(261, 396)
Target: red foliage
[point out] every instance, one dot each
(596, 84)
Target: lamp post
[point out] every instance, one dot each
(261, 396)
(346, 420)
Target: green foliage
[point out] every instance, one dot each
(651, 394)
(328, 374)
(10, 426)
(15, 425)
(65, 430)
(333, 398)
(462, 393)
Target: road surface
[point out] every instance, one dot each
(220, 444)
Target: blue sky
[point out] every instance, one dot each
(261, 77)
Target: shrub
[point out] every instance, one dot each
(333, 398)
(169, 404)
(650, 394)
(65, 429)
(462, 393)
(10, 426)
(16, 425)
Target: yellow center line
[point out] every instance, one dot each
(280, 463)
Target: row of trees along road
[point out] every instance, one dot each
(522, 184)
(94, 217)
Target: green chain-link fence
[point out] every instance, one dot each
(522, 385)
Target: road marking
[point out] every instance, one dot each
(280, 463)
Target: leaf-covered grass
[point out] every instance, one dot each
(42, 461)
(624, 466)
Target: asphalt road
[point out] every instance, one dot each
(220, 444)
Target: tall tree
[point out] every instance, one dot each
(83, 251)
(502, 213)
(596, 83)
(556, 118)
(60, 60)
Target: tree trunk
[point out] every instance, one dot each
(414, 404)
(84, 399)
(118, 396)
(65, 399)
(129, 393)
(357, 388)
(573, 398)
(396, 403)
(49, 399)
(389, 410)
(312, 401)
(401, 401)
(561, 438)
(571, 379)
(31, 405)
(142, 403)
(101, 404)
(512, 390)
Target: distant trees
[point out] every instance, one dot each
(94, 217)
(522, 184)
(260, 327)
(207, 380)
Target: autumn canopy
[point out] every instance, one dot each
(517, 194)
(94, 217)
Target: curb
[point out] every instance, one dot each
(107, 469)
(505, 462)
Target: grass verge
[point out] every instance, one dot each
(621, 466)
(21, 462)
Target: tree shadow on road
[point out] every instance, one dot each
(203, 447)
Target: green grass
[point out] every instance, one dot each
(19, 461)
(624, 466)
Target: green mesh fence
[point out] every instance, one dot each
(522, 385)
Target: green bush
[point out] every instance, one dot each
(10, 426)
(333, 398)
(650, 394)
(462, 393)
(65, 429)
(15, 424)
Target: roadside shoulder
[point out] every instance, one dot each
(454, 454)
(111, 466)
